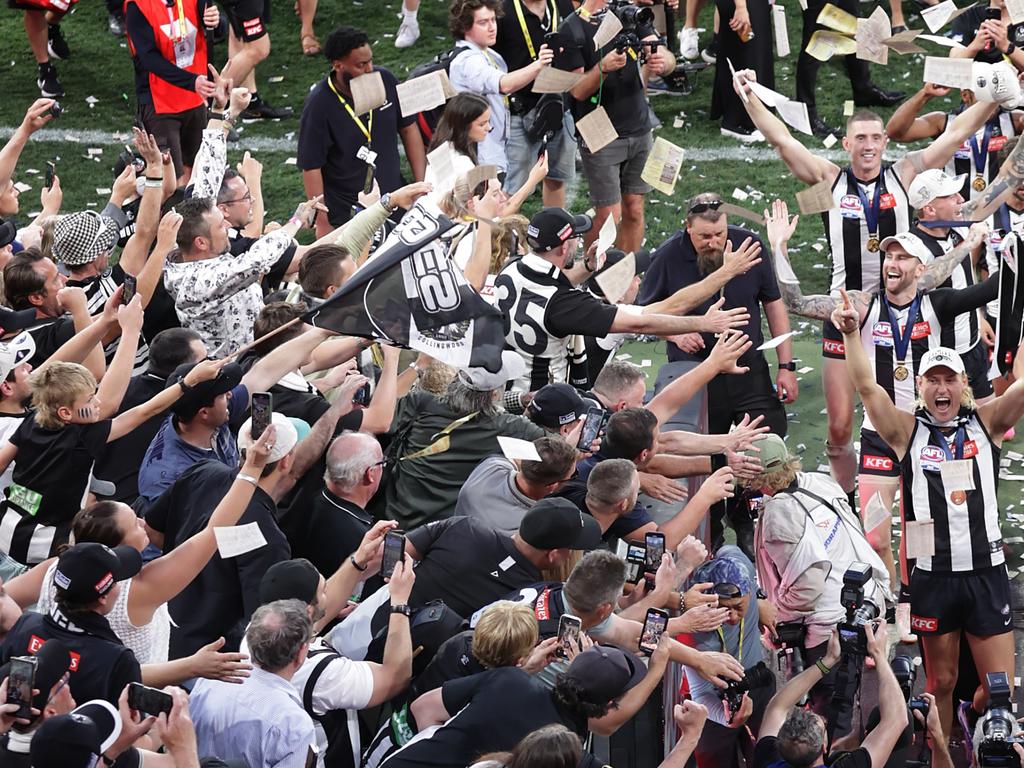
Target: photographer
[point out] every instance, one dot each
(796, 737)
(735, 712)
(613, 82)
(806, 538)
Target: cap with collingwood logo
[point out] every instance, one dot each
(550, 227)
(87, 571)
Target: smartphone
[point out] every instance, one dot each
(362, 395)
(150, 701)
(993, 14)
(262, 412)
(654, 627)
(654, 550)
(636, 557)
(20, 682)
(56, 109)
(130, 286)
(569, 628)
(51, 170)
(594, 422)
(394, 552)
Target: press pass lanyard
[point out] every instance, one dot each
(366, 129)
(739, 650)
(182, 29)
(522, 24)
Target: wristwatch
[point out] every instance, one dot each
(790, 366)
(405, 610)
(385, 200)
(1010, 48)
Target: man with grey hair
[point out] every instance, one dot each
(261, 722)
(336, 521)
(439, 441)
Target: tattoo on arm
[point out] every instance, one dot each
(817, 307)
(939, 270)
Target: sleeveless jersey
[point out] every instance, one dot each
(967, 535)
(963, 333)
(1001, 129)
(854, 267)
(1003, 221)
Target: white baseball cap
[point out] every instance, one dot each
(933, 183)
(941, 357)
(14, 352)
(912, 244)
(287, 435)
(482, 380)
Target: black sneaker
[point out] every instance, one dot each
(710, 53)
(47, 82)
(820, 128)
(56, 44)
(260, 110)
(115, 24)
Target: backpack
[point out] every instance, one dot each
(428, 119)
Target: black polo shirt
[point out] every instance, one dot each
(329, 140)
(575, 490)
(622, 91)
(121, 461)
(49, 334)
(674, 266)
(330, 530)
(220, 600)
(511, 42)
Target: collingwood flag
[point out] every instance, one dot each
(410, 293)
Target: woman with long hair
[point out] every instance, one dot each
(140, 617)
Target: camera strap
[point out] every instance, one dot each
(522, 24)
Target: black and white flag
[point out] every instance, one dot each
(409, 292)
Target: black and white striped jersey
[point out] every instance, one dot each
(97, 290)
(1003, 221)
(967, 535)
(962, 333)
(854, 267)
(1001, 129)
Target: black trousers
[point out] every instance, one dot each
(807, 66)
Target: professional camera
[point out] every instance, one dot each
(997, 728)
(632, 18)
(757, 676)
(905, 672)
(852, 639)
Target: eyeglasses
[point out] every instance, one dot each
(727, 591)
(704, 207)
(380, 463)
(246, 198)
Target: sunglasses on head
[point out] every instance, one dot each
(727, 591)
(703, 207)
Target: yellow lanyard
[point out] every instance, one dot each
(522, 24)
(739, 651)
(182, 29)
(366, 129)
(493, 63)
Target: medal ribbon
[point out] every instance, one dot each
(980, 154)
(961, 436)
(870, 211)
(901, 340)
(366, 129)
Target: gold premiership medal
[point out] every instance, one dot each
(872, 243)
(978, 184)
(958, 497)
(900, 373)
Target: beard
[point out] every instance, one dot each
(709, 261)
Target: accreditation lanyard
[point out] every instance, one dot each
(182, 29)
(870, 211)
(901, 339)
(980, 154)
(493, 63)
(366, 129)
(522, 24)
(739, 650)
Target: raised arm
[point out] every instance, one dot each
(891, 706)
(789, 696)
(804, 164)
(133, 257)
(894, 425)
(908, 124)
(36, 116)
(269, 369)
(1003, 412)
(114, 384)
(734, 263)
(938, 153)
(939, 270)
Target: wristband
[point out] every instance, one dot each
(357, 566)
(295, 220)
(227, 117)
(154, 178)
(822, 667)
(185, 388)
(247, 478)
(154, 183)
(682, 603)
(1010, 49)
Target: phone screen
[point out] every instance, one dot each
(20, 682)
(994, 14)
(654, 550)
(654, 627)
(591, 428)
(394, 552)
(568, 634)
(636, 557)
(262, 412)
(148, 700)
(130, 285)
(51, 169)
(362, 395)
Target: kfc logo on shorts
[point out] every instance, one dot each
(923, 624)
(253, 27)
(931, 457)
(877, 463)
(833, 347)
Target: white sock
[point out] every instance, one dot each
(409, 15)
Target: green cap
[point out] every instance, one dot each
(773, 453)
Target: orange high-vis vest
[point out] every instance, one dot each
(181, 39)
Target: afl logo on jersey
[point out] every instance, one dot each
(850, 207)
(931, 458)
(881, 334)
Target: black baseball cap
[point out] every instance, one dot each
(15, 320)
(604, 673)
(87, 571)
(642, 259)
(202, 394)
(556, 523)
(296, 579)
(555, 405)
(77, 739)
(8, 232)
(550, 227)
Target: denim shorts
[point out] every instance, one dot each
(615, 170)
(522, 154)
